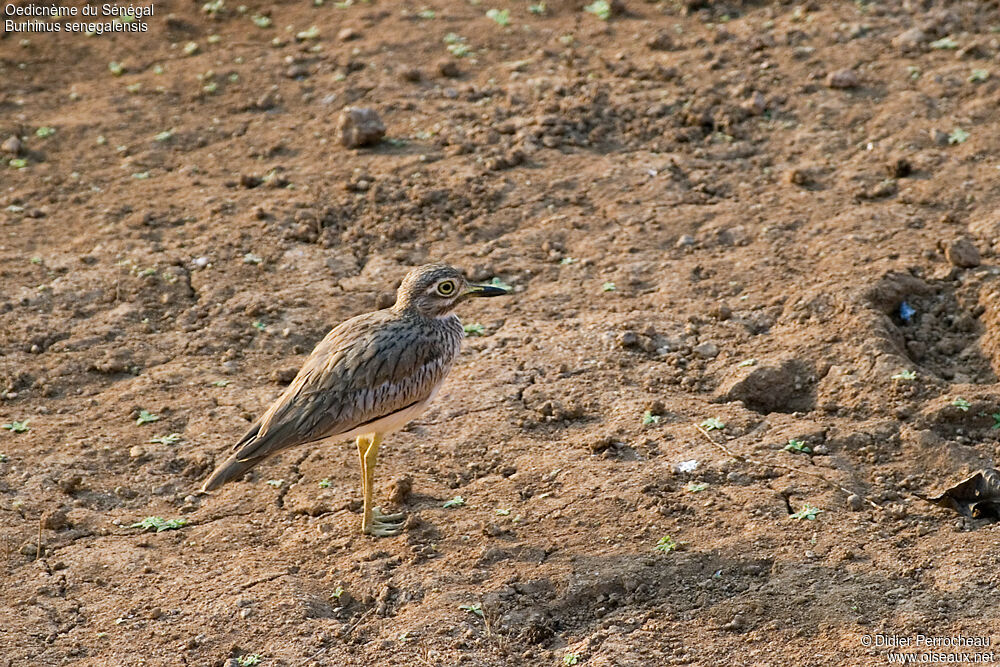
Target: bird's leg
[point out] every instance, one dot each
(374, 522)
(366, 518)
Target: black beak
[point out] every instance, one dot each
(486, 290)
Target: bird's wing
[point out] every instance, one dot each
(363, 370)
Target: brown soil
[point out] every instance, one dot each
(763, 183)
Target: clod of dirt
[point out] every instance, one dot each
(661, 41)
(899, 168)
(359, 127)
(799, 176)
(449, 69)
(11, 146)
(55, 519)
(411, 74)
(961, 252)
(910, 40)
(843, 79)
(400, 490)
(347, 34)
(977, 497)
(766, 388)
(284, 375)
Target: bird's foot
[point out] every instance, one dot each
(385, 525)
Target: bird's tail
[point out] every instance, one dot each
(232, 468)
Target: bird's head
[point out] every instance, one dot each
(434, 290)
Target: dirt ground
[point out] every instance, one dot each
(778, 220)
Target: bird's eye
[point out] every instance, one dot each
(446, 287)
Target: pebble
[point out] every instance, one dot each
(707, 350)
(855, 503)
(347, 34)
(136, 452)
(910, 40)
(685, 241)
(360, 126)
(12, 146)
(201, 262)
(961, 252)
(449, 69)
(843, 79)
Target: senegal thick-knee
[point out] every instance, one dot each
(368, 377)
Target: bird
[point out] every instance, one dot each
(368, 377)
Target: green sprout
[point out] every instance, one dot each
(18, 163)
(146, 417)
(958, 136)
(695, 487)
(566, 261)
(311, 33)
(221, 383)
(457, 501)
(914, 72)
(474, 329)
(807, 512)
(337, 592)
(3, 458)
(140, 175)
(159, 524)
(608, 287)
(456, 45)
(747, 362)
(44, 132)
(961, 404)
(905, 375)
(248, 660)
(502, 512)
(275, 483)
(649, 418)
(426, 14)
(261, 21)
(163, 136)
(171, 439)
(571, 659)
(325, 483)
(996, 420)
(191, 48)
(251, 258)
(496, 282)
(666, 544)
(797, 447)
(599, 8)
(944, 43)
(259, 326)
(116, 68)
(213, 7)
(538, 8)
(500, 16)
(979, 75)
(16, 426)
(713, 424)
(472, 609)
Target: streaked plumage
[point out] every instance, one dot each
(369, 376)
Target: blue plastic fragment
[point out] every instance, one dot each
(906, 312)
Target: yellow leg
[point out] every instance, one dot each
(374, 522)
(363, 442)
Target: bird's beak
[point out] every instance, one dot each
(485, 290)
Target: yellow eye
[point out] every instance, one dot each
(446, 287)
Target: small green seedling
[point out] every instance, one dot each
(171, 439)
(221, 383)
(944, 43)
(456, 45)
(648, 418)
(17, 427)
(571, 659)
(457, 501)
(958, 136)
(251, 258)
(191, 48)
(996, 420)
(496, 282)
(914, 72)
(474, 329)
(979, 75)
(261, 21)
(905, 375)
(213, 7)
(44, 132)
(259, 326)
(499, 16)
(472, 609)
(146, 417)
(18, 163)
(163, 136)
(3, 458)
(961, 404)
(608, 287)
(566, 261)
(159, 524)
(746, 362)
(426, 14)
(116, 68)
(140, 175)
(599, 8)
(503, 512)
(666, 544)
(537, 8)
(305, 35)
(713, 424)
(276, 483)
(807, 512)
(797, 447)
(325, 483)
(695, 487)
(337, 592)
(248, 660)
